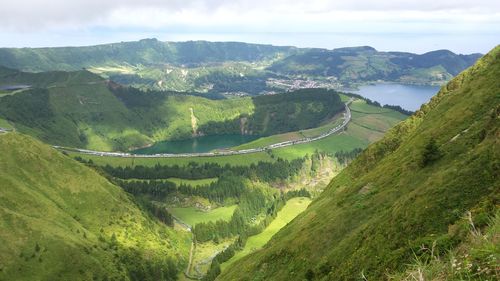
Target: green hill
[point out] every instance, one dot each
(407, 196)
(60, 220)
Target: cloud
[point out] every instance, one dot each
(464, 26)
(32, 15)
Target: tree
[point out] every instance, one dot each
(431, 153)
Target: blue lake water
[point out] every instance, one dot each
(409, 97)
(13, 87)
(196, 145)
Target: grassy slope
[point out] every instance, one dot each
(475, 258)
(381, 209)
(63, 207)
(77, 109)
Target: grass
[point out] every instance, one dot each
(5, 124)
(293, 208)
(193, 215)
(194, 183)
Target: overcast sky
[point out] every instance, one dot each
(419, 26)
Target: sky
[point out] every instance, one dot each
(469, 26)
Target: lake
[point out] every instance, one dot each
(409, 97)
(196, 145)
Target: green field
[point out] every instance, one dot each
(363, 129)
(192, 215)
(293, 208)
(5, 124)
(193, 183)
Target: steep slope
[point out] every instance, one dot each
(402, 195)
(60, 220)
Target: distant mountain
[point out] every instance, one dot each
(149, 52)
(430, 184)
(60, 220)
(367, 64)
(233, 67)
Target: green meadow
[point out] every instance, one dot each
(192, 215)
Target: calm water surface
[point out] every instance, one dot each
(196, 145)
(409, 97)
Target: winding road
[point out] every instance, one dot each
(347, 119)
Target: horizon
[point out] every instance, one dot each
(395, 25)
(244, 42)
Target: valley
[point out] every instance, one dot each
(153, 160)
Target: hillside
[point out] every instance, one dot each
(60, 220)
(81, 109)
(273, 114)
(407, 196)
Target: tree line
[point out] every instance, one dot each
(265, 171)
(345, 157)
